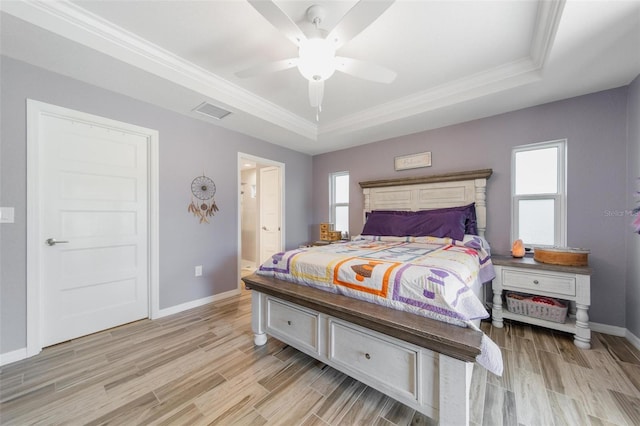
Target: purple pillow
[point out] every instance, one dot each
(471, 223)
(417, 224)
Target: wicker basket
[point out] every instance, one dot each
(542, 307)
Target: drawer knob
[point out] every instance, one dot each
(536, 282)
(367, 356)
(289, 322)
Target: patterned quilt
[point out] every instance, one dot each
(427, 276)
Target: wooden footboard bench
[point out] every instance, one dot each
(423, 363)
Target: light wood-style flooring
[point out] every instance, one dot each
(201, 367)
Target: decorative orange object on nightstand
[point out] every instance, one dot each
(517, 249)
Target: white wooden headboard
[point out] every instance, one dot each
(430, 192)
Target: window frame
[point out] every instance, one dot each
(332, 197)
(559, 197)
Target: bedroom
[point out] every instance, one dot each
(603, 167)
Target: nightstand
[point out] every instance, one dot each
(525, 275)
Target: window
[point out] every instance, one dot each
(538, 194)
(339, 200)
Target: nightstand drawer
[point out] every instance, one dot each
(543, 282)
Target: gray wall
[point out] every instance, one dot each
(633, 240)
(595, 127)
(187, 146)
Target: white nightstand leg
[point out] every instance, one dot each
(582, 338)
(496, 310)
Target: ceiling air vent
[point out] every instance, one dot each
(212, 111)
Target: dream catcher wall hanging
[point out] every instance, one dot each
(203, 204)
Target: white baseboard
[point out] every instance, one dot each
(195, 303)
(608, 329)
(633, 339)
(616, 331)
(13, 356)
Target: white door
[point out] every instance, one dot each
(270, 201)
(93, 227)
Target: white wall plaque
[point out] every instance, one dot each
(413, 161)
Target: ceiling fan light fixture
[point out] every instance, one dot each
(316, 59)
(317, 47)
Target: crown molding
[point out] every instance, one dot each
(502, 77)
(68, 20)
(547, 22)
(75, 23)
(497, 79)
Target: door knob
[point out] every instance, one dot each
(53, 241)
(264, 228)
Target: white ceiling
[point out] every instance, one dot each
(455, 60)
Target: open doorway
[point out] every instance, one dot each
(260, 211)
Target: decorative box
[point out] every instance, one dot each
(335, 235)
(542, 307)
(325, 231)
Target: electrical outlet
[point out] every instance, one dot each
(7, 215)
(199, 271)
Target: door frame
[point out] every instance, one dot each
(265, 162)
(36, 109)
(262, 189)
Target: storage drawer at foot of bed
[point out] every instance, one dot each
(297, 324)
(385, 361)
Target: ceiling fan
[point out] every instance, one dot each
(317, 60)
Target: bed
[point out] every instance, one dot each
(377, 331)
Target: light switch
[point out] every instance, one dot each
(199, 271)
(7, 215)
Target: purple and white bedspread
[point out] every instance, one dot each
(427, 276)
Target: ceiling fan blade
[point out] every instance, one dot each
(272, 13)
(357, 19)
(364, 70)
(269, 67)
(316, 91)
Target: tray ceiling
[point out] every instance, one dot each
(455, 61)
